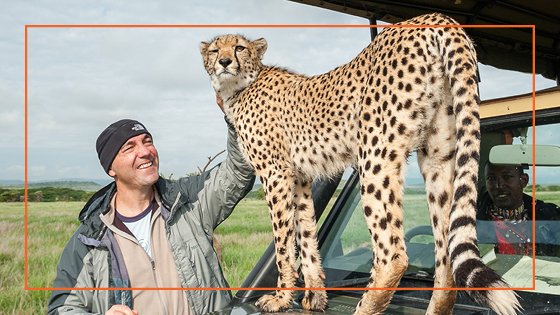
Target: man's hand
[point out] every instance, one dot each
(121, 310)
(220, 102)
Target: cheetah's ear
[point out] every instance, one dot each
(203, 48)
(261, 46)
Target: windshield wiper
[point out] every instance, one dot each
(420, 274)
(362, 282)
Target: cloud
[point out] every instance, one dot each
(82, 79)
(497, 83)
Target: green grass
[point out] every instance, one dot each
(50, 225)
(548, 196)
(244, 236)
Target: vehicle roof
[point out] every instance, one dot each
(544, 99)
(503, 48)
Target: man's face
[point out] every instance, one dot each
(136, 163)
(505, 185)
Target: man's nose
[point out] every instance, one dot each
(143, 150)
(499, 183)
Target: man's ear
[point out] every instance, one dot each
(524, 180)
(112, 173)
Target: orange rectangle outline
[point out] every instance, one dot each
(274, 26)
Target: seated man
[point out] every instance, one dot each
(511, 212)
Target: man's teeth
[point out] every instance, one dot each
(145, 165)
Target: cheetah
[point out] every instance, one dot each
(412, 89)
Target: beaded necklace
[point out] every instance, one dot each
(505, 215)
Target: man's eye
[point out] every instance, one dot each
(239, 48)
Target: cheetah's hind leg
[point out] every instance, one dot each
(382, 195)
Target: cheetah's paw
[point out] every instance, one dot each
(274, 303)
(315, 300)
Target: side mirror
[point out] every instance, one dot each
(545, 155)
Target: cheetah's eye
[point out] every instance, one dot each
(239, 48)
(214, 51)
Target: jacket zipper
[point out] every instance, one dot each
(154, 268)
(157, 285)
(171, 209)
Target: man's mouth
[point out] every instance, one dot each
(145, 165)
(501, 195)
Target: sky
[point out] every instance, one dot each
(81, 79)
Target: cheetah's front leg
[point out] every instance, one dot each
(306, 236)
(278, 187)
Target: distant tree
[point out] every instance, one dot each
(553, 188)
(9, 196)
(200, 171)
(260, 194)
(210, 159)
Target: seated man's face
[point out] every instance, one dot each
(505, 185)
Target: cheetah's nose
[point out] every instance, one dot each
(225, 62)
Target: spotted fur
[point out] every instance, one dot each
(411, 89)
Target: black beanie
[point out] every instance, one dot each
(113, 137)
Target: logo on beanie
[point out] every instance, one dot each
(137, 127)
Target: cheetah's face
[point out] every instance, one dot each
(230, 56)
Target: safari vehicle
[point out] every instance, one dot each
(506, 125)
(345, 243)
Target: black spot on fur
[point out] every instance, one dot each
(463, 159)
(443, 198)
(462, 221)
(461, 191)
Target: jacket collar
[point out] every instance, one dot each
(171, 195)
(99, 203)
(99, 200)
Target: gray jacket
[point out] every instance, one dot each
(192, 208)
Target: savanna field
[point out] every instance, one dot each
(243, 237)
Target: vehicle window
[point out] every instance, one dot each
(507, 241)
(347, 250)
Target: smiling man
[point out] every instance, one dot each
(511, 212)
(143, 231)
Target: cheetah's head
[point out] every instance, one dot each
(233, 62)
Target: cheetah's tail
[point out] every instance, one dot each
(469, 271)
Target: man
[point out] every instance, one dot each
(511, 212)
(143, 231)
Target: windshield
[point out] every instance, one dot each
(505, 245)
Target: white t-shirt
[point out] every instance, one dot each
(140, 227)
